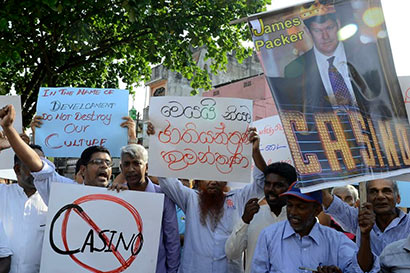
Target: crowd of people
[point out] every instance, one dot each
(269, 225)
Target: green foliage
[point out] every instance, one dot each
(91, 43)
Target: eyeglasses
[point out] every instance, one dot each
(100, 162)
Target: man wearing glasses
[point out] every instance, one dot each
(96, 166)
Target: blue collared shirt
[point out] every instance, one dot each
(347, 216)
(395, 257)
(204, 247)
(169, 244)
(281, 249)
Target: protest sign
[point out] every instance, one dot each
(201, 138)
(76, 118)
(273, 144)
(331, 73)
(405, 88)
(92, 229)
(404, 190)
(7, 155)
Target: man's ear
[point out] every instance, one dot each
(82, 169)
(318, 209)
(16, 169)
(398, 199)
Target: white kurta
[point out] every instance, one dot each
(24, 222)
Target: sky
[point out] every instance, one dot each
(396, 13)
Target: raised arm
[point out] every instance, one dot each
(21, 148)
(129, 123)
(344, 214)
(238, 240)
(256, 152)
(327, 198)
(34, 124)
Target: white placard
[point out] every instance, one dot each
(273, 144)
(76, 118)
(7, 156)
(201, 138)
(108, 232)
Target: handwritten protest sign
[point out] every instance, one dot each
(91, 229)
(201, 138)
(6, 155)
(76, 118)
(340, 102)
(405, 88)
(273, 144)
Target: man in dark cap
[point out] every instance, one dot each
(301, 243)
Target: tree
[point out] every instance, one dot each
(91, 43)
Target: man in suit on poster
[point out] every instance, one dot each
(335, 74)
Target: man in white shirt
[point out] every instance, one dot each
(23, 214)
(258, 215)
(95, 161)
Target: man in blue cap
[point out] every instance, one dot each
(301, 244)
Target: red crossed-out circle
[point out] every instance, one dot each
(93, 197)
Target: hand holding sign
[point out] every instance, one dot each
(130, 125)
(254, 138)
(4, 143)
(7, 115)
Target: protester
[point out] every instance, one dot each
(23, 214)
(134, 165)
(347, 194)
(5, 251)
(278, 177)
(395, 257)
(210, 216)
(350, 196)
(391, 223)
(96, 161)
(300, 243)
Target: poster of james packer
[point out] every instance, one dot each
(331, 72)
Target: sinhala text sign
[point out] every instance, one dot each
(201, 138)
(91, 229)
(273, 144)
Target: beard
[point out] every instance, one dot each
(211, 207)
